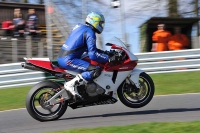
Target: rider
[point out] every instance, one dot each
(83, 39)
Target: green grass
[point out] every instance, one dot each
(172, 83)
(153, 127)
(176, 83)
(13, 98)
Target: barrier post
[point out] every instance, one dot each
(14, 50)
(40, 49)
(28, 46)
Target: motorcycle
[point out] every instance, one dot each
(48, 100)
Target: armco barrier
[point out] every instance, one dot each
(169, 61)
(12, 75)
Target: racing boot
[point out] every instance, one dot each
(71, 85)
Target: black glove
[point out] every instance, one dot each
(110, 53)
(106, 52)
(115, 59)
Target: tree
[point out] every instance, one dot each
(25, 1)
(173, 8)
(41, 1)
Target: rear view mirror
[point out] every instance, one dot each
(109, 44)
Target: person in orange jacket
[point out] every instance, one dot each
(160, 39)
(178, 41)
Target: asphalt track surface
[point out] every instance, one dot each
(160, 109)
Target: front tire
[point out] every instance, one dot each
(36, 98)
(132, 97)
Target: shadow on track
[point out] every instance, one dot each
(137, 113)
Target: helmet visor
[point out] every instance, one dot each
(101, 24)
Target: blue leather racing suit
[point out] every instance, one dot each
(82, 39)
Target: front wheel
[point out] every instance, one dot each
(134, 97)
(37, 106)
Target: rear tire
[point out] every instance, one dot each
(131, 100)
(32, 102)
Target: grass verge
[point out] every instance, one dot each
(171, 83)
(153, 127)
(13, 98)
(176, 83)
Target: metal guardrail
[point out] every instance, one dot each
(12, 75)
(169, 61)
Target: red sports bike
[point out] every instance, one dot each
(48, 100)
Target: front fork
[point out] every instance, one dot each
(133, 81)
(134, 77)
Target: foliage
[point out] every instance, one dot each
(143, 36)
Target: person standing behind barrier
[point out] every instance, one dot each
(160, 39)
(178, 41)
(32, 20)
(19, 23)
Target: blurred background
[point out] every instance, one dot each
(38, 28)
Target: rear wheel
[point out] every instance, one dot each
(134, 97)
(36, 103)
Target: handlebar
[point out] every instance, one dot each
(120, 53)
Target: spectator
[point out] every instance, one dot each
(7, 27)
(19, 23)
(16, 11)
(160, 39)
(178, 41)
(32, 20)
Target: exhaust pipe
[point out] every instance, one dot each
(31, 67)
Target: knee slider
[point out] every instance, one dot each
(95, 73)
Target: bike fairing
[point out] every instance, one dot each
(76, 40)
